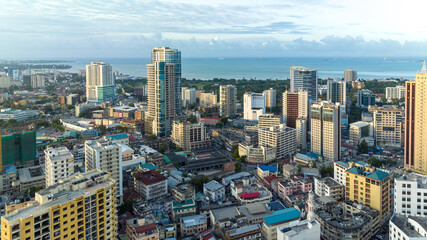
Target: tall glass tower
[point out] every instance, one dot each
(305, 79)
(164, 90)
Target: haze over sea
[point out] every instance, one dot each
(270, 68)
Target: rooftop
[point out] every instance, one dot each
(118, 136)
(419, 179)
(406, 225)
(376, 175)
(281, 216)
(268, 168)
(193, 220)
(150, 177)
(305, 157)
(330, 182)
(213, 185)
(242, 230)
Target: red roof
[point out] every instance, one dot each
(150, 177)
(132, 138)
(145, 228)
(210, 120)
(250, 195)
(270, 178)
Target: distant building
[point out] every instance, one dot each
(189, 136)
(253, 105)
(270, 98)
(208, 99)
(260, 154)
(100, 85)
(295, 105)
(397, 92)
(301, 131)
(188, 96)
(388, 122)
(358, 131)
(305, 79)
(18, 115)
(18, 149)
(5, 81)
(38, 81)
(268, 120)
(350, 75)
(365, 98)
(227, 100)
(281, 137)
(72, 99)
(337, 93)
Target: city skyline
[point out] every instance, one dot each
(247, 28)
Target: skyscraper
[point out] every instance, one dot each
(253, 105)
(337, 92)
(326, 130)
(295, 105)
(270, 98)
(18, 149)
(100, 85)
(227, 100)
(350, 75)
(164, 90)
(416, 130)
(387, 125)
(303, 78)
(59, 165)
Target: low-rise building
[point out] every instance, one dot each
(189, 136)
(358, 131)
(407, 228)
(18, 115)
(260, 154)
(245, 232)
(299, 230)
(142, 229)
(278, 219)
(289, 170)
(183, 191)
(245, 191)
(150, 184)
(294, 185)
(328, 187)
(214, 191)
(183, 208)
(265, 171)
(31, 177)
(193, 224)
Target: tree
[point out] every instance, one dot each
(102, 129)
(126, 207)
(314, 164)
(163, 148)
(151, 137)
(327, 171)
(224, 120)
(192, 119)
(219, 125)
(299, 167)
(363, 147)
(237, 167)
(375, 162)
(243, 158)
(32, 191)
(235, 151)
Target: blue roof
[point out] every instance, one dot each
(119, 136)
(149, 166)
(282, 216)
(378, 175)
(10, 169)
(362, 163)
(268, 168)
(313, 155)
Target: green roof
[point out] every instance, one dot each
(187, 204)
(378, 175)
(355, 171)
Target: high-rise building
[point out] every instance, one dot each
(358, 131)
(337, 93)
(326, 130)
(305, 79)
(268, 120)
(227, 100)
(208, 99)
(281, 137)
(371, 187)
(18, 149)
(164, 90)
(416, 130)
(189, 136)
(59, 165)
(397, 92)
(188, 96)
(5, 82)
(270, 98)
(253, 105)
(365, 98)
(409, 125)
(301, 127)
(350, 75)
(38, 81)
(100, 85)
(387, 125)
(295, 105)
(80, 207)
(106, 155)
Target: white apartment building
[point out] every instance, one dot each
(410, 195)
(407, 228)
(270, 98)
(326, 130)
(188, 96)
(350, 75)
(189, 136)
(299, 230)
(260, 154)
(358, 131)
(227, 100)
(281, 137)
(339, 171)
(59, 164)
(208, 99)
(253, 105)
(151, 185)
(105, 155)
(268, 120)
(388, 121)
(38, 81)
(5, 81)
(397, 92)
(214, 191)
(328, 187)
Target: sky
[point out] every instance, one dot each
(36, 29)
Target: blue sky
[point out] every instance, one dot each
(216, 28)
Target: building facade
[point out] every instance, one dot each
(410, 195)
(397, 92)
(81, 207)
(227, 100)
(281, 137)
(188, 96)
(295, 105)
(150, 184)
(164, 90)
(59, 164)
(208, 99)
(358, 131)
(365, 98)
(268, 120)
(253, 105)
(305, 79)
(350, 75)
(38, 81)
(388, 125)
(337, 93)
(189, 136)
(100, 85)
(326, 130)
(270, 98)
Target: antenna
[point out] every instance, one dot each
(424, 69)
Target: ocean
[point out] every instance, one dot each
(269, 68)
